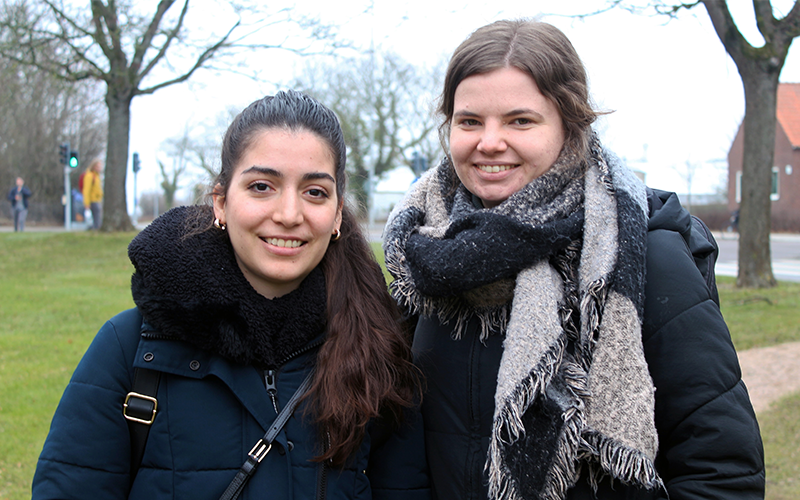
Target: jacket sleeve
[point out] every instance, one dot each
(87, 453)
(709, 441)
(398, 469)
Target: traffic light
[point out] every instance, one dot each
(63, 153)
(73, 159)
(136, 165)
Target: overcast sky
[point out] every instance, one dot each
(675, 94)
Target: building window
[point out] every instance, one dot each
(774, 194)
(739, 186)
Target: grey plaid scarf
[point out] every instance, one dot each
(559, 268)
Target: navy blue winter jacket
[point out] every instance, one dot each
(210, 413)
(216, 341)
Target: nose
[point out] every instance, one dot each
(492, 139)
(289, 210)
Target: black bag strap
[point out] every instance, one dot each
(264, 444)
(139, 410)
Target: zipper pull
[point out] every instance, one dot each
(272, 388)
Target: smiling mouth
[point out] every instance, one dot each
(493, 169)
(279, 242)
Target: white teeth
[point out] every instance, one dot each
(493, 169)
(278, 242)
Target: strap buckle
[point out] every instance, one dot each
(260, 450)
(142, 407)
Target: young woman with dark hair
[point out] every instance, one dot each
(238, 306)
(568, 322)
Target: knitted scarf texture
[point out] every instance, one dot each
(559, 269)
(188, 285)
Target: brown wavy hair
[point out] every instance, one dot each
(539, 49)
(364, 367)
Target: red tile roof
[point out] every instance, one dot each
(788, 112)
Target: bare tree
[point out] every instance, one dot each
(687, 174)
(384, 106)
(205, 143)
(759, 69)
(170, 179)
(125, 48)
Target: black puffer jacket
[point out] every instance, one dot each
(710, 445)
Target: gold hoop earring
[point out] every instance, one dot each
(220, 225)
(335, 236)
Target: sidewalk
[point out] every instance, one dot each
(724, 235)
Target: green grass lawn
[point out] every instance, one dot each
(58, 289)
(760, 318)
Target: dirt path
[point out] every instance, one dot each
(771, 373)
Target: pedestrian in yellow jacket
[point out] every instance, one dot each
(93, 192)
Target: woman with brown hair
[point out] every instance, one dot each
(568, 322)
(241, 307)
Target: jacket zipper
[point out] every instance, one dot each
(322, 473)
(271, 375)
(322, 480)
(272, 388)
(300, 351)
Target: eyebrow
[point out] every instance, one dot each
(513, 112)
(311, 176)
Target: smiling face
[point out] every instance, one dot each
(281, 208)
(504, 133)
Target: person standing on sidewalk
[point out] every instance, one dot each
(93, 192)
(18, 196)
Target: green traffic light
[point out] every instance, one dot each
(73, 159)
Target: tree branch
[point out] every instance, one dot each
(201, 59)
(765, 20)
(100, 35)
(116, 51)
(78, 53)
(147, 39)
(789, 26)
(730, 36)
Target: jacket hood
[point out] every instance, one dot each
(666, 213)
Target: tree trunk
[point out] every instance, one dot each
(760, 91)
(115, 203)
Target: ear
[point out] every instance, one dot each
(219, 203)
(337, 223)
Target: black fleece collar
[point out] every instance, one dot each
(188, 286)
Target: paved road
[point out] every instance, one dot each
(785, 255)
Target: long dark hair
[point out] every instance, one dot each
(364, 368)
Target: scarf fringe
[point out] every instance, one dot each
(592, 305)
(446, 309)
(620, 462)
(508, 426)
(564, 473)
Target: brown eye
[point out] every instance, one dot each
(317, 193)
